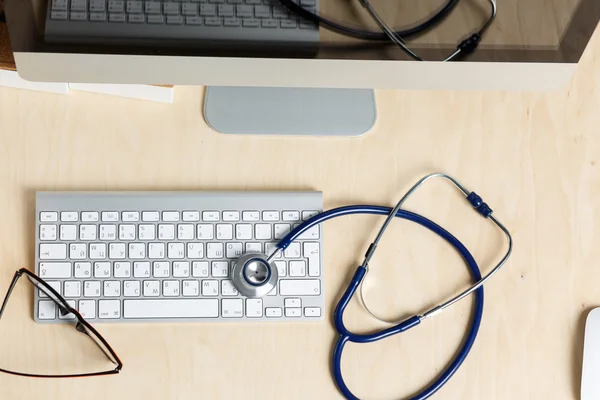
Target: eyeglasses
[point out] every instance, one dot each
(80, 324)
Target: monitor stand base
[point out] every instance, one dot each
(290, 111)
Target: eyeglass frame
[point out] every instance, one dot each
(81, 326)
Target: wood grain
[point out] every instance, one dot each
(534, 157)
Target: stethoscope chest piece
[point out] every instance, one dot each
(253, 275)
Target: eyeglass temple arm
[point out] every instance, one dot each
(18, 274)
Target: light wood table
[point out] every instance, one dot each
(534, 157)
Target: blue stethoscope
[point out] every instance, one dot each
(254, 275)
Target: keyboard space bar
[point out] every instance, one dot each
(176, 308)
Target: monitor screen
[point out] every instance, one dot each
(553, 31)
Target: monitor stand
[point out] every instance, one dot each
(290, 111)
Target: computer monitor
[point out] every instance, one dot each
(530, 45)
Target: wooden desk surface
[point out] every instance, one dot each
(533, 157)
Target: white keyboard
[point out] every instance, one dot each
(166, 256)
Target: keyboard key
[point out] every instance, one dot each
(194, 20)
(209, 10)
(232, 308)
(108, 232)
(116, 6)
(48, 216)
(89, 216)
(150, 216)
(153, 7)
(181, 269)
(83, 270)
(69, 216)
(263, 232)
(87, 232)
(293, 302)
(166, 232)
(232, 22)
(73, 304)
(270, 249)
(220, 269)
(156, 250)
(226, 10)
(72, 289)
(191, 288)
(200, 269)
(78, 251)
(98, 5)
(171, 8)
(151, 288)
(287, 24)
(137, 250)
(210, 288)
(97, 251)
(230, 216)
(293, 312)
(78, 16)
(297, 268)
(46, 309)
(130, 216)
(146, 232)
(60, 5)
(78, 5)
(48, 232)
(281, 268)
(227, 288)
(109, 309)
(212, 21)
(280, 12)
(112, 288)
(312, 253)
(91, 289)
(191, 216)
(110, 216)
(291, 215)
(307, 25)
(131, 288)
(253, 247)
(224, 231)
(176, 250)
(87, 309)
(122, 269)
(161, 269)
(141, 269)
(270, 215)
(171, 288)
(185, 232)
(205, 232)
(126, 232)
(244, 11)
(254, 308)
(53, 251)
(269, 24)
(102, 270)
(273, 312)
(281, 230)
(117, 251)
(251, 216)
(170, 216)
(68, 232)
(137, 18)
(234, 250)
(293, 251)
(134, 7)
(251, 23)
(243, 231)
(196, 250)
(262, 12)
(54, 285)
(299, 287)
(214, 250)
(156, 19)
(171, 308)
(310, 234)
(309, 214)
(253, 2)
(189, 9)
